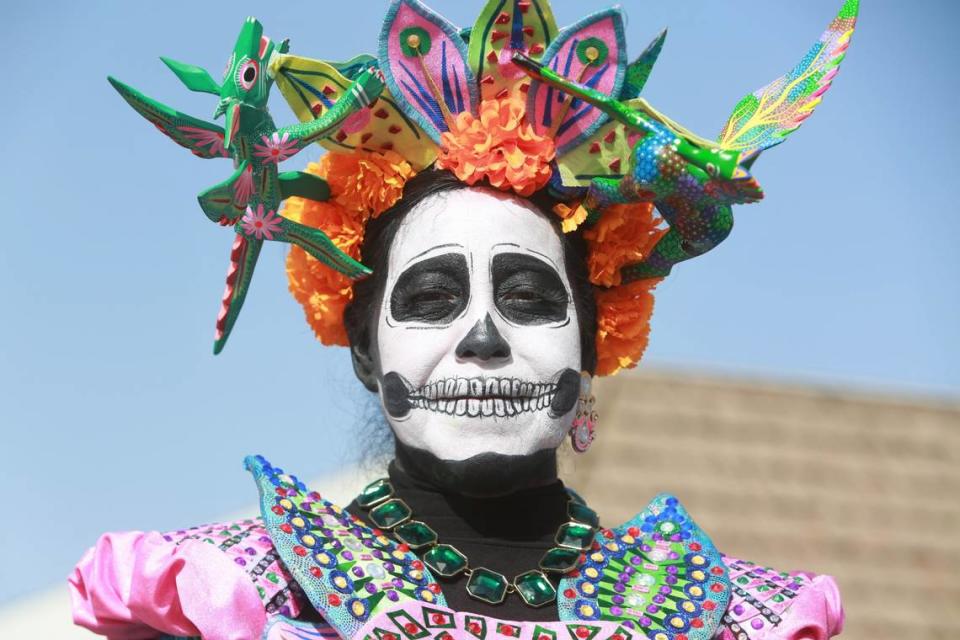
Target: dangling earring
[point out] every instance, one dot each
(585, 421)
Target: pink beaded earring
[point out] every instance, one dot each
(584, 426)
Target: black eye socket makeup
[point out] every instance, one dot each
(433, 291)
(528, 290)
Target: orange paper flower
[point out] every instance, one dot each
(499, 146)
(623, 325)
(624, 234)
(323, 292)
(367, 182)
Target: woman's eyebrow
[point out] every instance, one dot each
(431, 249)
(528, 250)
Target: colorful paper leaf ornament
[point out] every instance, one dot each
(767, 116)
(424, 61)
(591, 52)
(639, 70)
(505, 27)
(311, 87)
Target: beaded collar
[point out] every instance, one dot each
(658, 575)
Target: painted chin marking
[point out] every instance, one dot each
(483, 397)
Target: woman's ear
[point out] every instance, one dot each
(364, 366)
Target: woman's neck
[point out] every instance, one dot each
(488, 475)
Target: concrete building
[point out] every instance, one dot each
(861, 486)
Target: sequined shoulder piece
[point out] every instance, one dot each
(766, 604)
(347, 570)
(658, 573)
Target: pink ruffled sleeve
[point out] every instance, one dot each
(135, 585)
(771, 605)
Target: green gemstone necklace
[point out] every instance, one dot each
(390, 513)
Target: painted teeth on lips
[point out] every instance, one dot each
(483, 396)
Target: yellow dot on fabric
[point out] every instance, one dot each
(298, 522)
(696, 574)
(586, 610)
(308, 540)
(597, 557)
(340, 581)
(591, 572)
(399, 555)
(627, 539)
(696, 591)
(587, 588)
(688, 606)
(676, 622)
(286, 504)
(358, 607)
(698, 560)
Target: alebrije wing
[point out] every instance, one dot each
(504, 27)
(311, 87)
(203, 139)
(605, 154)
(352, 67)
(639, 70)
(243, 260)
(348, 571)
(767, 116)
(591, 52)
(424, 60)
(225, 202)
(657, 573)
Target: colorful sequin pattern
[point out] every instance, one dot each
(658, 574)
(249, 545)
(760, 598)
(347, 570)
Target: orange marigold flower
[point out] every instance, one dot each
(367, 182)
(323, 292)
(572, 217)
(624, 234)
(623, 325)
(499, 146)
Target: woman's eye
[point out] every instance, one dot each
(433, 297)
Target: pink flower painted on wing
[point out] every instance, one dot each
(205, 138)
(259, 224)
(274, 148)
(243, 187)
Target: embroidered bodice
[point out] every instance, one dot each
(309, 569)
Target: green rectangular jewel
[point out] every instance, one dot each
(583, 514)
(445, 560)
(375, 493)
(535, 588)
(574, 535)
(560, 560)
(390, 513)
(487, 585)
(416, 534)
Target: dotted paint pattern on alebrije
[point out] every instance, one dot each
(657, 573)
(346, 569)
(760, 598)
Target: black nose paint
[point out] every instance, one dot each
(568, 392)
(396, 395)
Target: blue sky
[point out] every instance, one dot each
(115, 415)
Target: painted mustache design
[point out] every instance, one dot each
(481, 396)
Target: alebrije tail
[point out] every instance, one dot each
(243, 260)
(767, 116)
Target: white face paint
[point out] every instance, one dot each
(477, 327)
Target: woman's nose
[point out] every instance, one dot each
(483, 342)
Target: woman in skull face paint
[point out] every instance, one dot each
(477, 331)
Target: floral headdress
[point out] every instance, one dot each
(521, 106)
